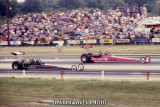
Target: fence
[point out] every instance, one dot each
(103, 75)
(83, 42)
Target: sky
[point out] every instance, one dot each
(20, 0)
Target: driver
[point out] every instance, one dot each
(107, 53)
(31, 61)
(99, 53)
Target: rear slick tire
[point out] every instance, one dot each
(85, 58)
(16, 65)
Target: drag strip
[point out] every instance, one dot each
(154, 62)
(75, 56)
(109, 70)
(90, 71)
(97, 66)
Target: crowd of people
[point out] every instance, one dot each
(155, 32)
(76, 24)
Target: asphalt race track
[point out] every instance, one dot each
(112, 70)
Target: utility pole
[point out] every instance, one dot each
(7, 8)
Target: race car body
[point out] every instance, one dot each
(114, 58)
(38, 64)
(86, 58)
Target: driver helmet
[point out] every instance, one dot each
(106, 53)
(31, 60)
(38, 61)
(99, 53)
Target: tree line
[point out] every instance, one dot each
(32, 6)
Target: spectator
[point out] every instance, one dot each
(60, 46)
(91, 23)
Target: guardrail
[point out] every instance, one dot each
(73, 56)
(101, 75)
(104, 73)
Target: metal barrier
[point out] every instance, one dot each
(102, 73)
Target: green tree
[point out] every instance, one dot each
(71, 4)
(14, 8)
(119, 4)
(156, 9)
(31, 6)
(2, 7)
(92, 4)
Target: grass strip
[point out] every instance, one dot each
(113, 49)
(21, 92)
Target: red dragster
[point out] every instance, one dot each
(89, 57)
